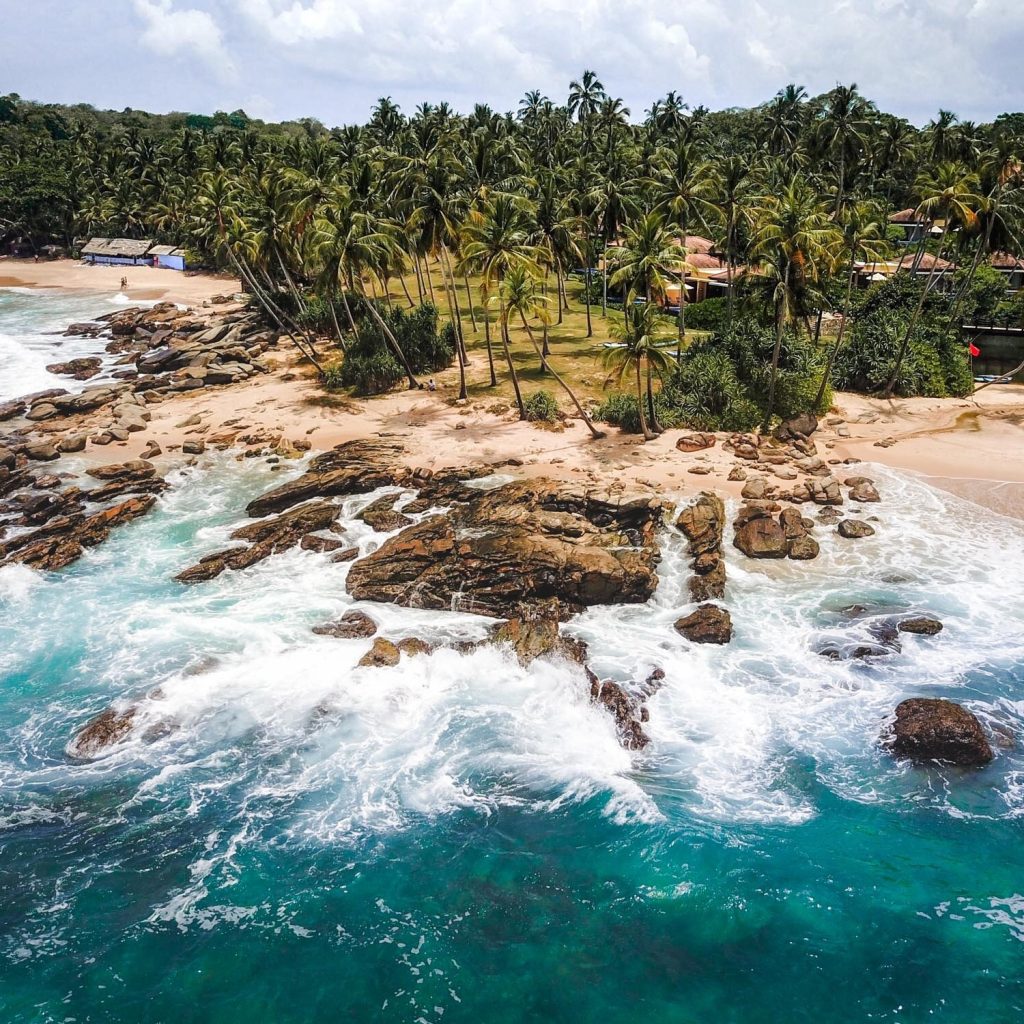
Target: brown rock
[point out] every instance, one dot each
(854, 528)
(928, 729)
(350, 626)
(709, 624)
(380, 516)
(696, 442)
(922, 625)
(383, 654)
(99, 733)
(413, 646)
(136, 469)
(703, 522)
(803, 548)
(762, 538)
(623, 708)
(710, 586)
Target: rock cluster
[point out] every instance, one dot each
(46, 523)
(758, 535)
(703, 524)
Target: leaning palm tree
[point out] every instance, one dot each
(949, 193)
(496, 239)
(863, 230)
(794, 243)
(521, 298)
(640, 332)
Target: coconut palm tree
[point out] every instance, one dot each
(949, 194)
(794, 244)
(863, 238)
(638, 354)
(522, 299)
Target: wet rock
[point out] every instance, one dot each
(709, 624)
(321, 545)
(348, 555)
(703, 523)
(100, 733)
(696, 442)
(921, 625)
(351, 625)
(527, 541)
(80, 369)
(413, 646)
(623, 708)
(928, 729)
(41, 451)
(709, 586)
(533, 633)
(824, 491)
(383, 654)
(10, 409)
(762, 537)
(803, 548)
(853, 529)
(193, 448)
(135, 469)
(72, 442)
(864, 491)
(379, 515)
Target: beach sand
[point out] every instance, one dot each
(145, 284)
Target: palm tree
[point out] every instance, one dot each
(494, 241)
(521, 298)
(794, 243)
(641, 330)
(947, 193)
(585, 96)
(842, 129)
(863, 231)
(732, 188)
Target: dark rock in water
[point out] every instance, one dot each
(527, 541)
(703, 523)
(624, 709)
(864, 491)
(41, 451)
(803, 548)
(379, 515)
(533, 633)
(352, 468)
(348, 555)
(193, 448)
(922, 625)
(351, 625)
(709, 624)
(80, 369)
(413, 646)
(762, 537)
(928, 729)
(8, 410)
(267, 537)
(709, 586)
(102, 732)
(383, 654)
(313, 542)
(136, 469)
(854, 528)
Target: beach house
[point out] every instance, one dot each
(126, 252)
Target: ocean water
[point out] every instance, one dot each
(461, 839)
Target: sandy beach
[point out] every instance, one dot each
(145, 284)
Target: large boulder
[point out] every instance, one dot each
(624, 708)
(709, 624)
(762, 537)
(525, 542)
(703, 523)
(80, 369)
(922, 625)
(100, 733)
(853, 529)
(797, 428)
(929, 729)
(383, 654)
(352, 625)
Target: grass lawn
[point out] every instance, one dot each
(574, 356)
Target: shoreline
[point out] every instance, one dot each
(145, 284)
(952, 444)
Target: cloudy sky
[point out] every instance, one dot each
(331, 59)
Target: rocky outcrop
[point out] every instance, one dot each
(533, 633)
(709, 624)
(521, 543)
(380, 515)
(383, 654)
(853, 529)
(928, 729)
(758, 535)
(797, 428)
(266, 538)
(703, 524)
(353, 468)
(100, 733)
(80, 369)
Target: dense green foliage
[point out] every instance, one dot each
(541, 406)
(936, 364)
(370, 366)
(792, 194)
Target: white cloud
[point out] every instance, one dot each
(194, 33)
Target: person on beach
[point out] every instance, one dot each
(431, 386)
(124, 284)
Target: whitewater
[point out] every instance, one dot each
(291, 837)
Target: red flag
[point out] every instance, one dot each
(973, 349)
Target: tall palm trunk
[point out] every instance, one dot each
(348, 312)
(834, 351)
(469, 303)
(780, 323)
(298, 299)
(890, 386)
(463, 393)
(337, 326)
(408, 297)
(645, 430)
(393, 341)
(651, 410)
(565, 387)
(459, 339)
(508, 358)
(490, 350)
(604, 282)
(586, 293)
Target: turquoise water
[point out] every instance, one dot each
(460, 839)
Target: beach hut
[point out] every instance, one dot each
(168, 256)
(125, 252)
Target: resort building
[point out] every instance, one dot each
(1012, 267)
(128, 252)
(913, 226)
(915, 263)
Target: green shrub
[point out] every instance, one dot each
(541, 405)
(709, 315)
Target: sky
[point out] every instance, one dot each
(332, 59)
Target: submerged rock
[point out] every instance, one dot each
(853, 529)
(351, 625)
(626, 710)
(928, 729)
(102, 732)
(709, 624)
(383, 654)
(922, 625)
